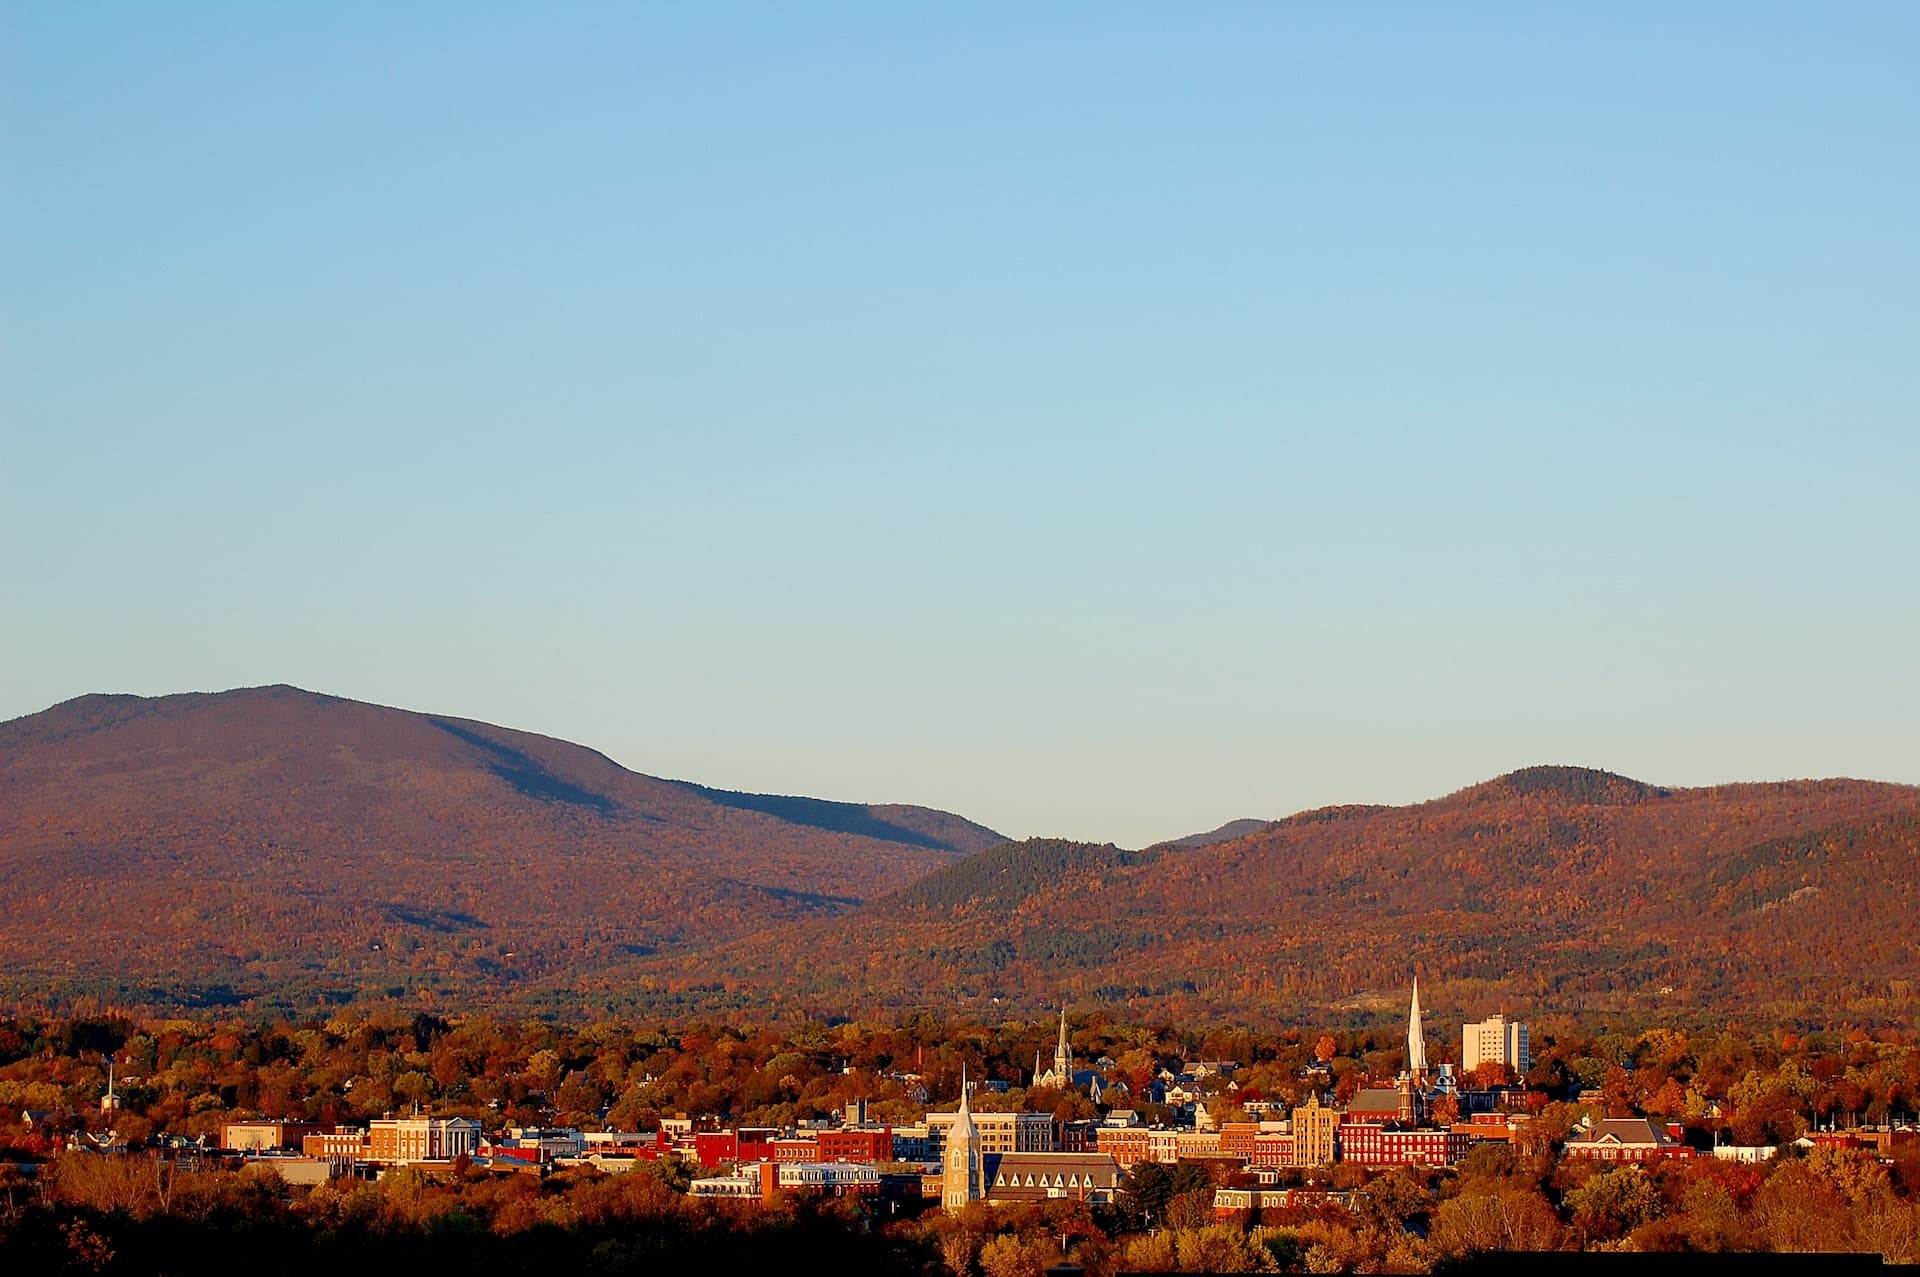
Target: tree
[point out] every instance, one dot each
(1799, 1209)
(1614, 1203)
(1149, 1187)
(1505, 1219)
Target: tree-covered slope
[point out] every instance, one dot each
(275, 841)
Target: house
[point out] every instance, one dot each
(1627, 1139)
(1199, 1070)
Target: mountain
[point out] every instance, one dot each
(274, 842)
(275, 848)
(1552, 888)
(1232, 829)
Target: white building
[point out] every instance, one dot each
(396, 1141)
(1496, 1041)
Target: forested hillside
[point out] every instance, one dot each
(278, 844)
(272, 848)
(1554, 888)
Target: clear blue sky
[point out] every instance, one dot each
(1098, 420)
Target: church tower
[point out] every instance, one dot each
(1061, 1074)
(962, 1173)
(1416, 1037)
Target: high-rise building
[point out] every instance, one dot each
(1316, 1129)
(1497, 1040)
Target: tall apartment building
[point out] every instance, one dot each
(1496, 1041)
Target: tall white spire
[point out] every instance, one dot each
(1416, 1040)
(1063, 1053)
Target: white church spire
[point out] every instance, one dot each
(1063, 1053)
(1416, 1039)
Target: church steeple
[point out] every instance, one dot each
(962, 1171)
(1416, 1038)
(1063, 1053)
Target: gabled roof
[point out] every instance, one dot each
(1614, 1131)
(1376, 1099)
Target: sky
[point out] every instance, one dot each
(1100, 420)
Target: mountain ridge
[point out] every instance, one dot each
(1569, 888)
(275, 848)
(238, 819)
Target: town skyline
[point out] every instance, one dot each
(1137, 1148)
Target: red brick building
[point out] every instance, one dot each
(1127, 1145)
(1272, 1149)
(341, 1141)
(1378, 1144)
(861, 1145)
(797, 1150)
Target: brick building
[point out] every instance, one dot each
(1378, 1144)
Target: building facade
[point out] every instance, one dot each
(1001, 1132)
(1496, 1040)
(1316, 1130)
(399, 1140)
(1376, 1144)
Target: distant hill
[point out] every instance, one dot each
(1232, 829)
(275, 842)
(275, 848)
(1556, 888)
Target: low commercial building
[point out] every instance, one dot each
(915, 1144)
(1231, 1201)
(1273, 1149)
(1128, 1146)
(766, 1179)
(868, 1144)
(263, 1136)
(825, 1179)
(349, 1142)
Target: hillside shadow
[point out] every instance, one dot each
(819, 813)
(525, 775)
